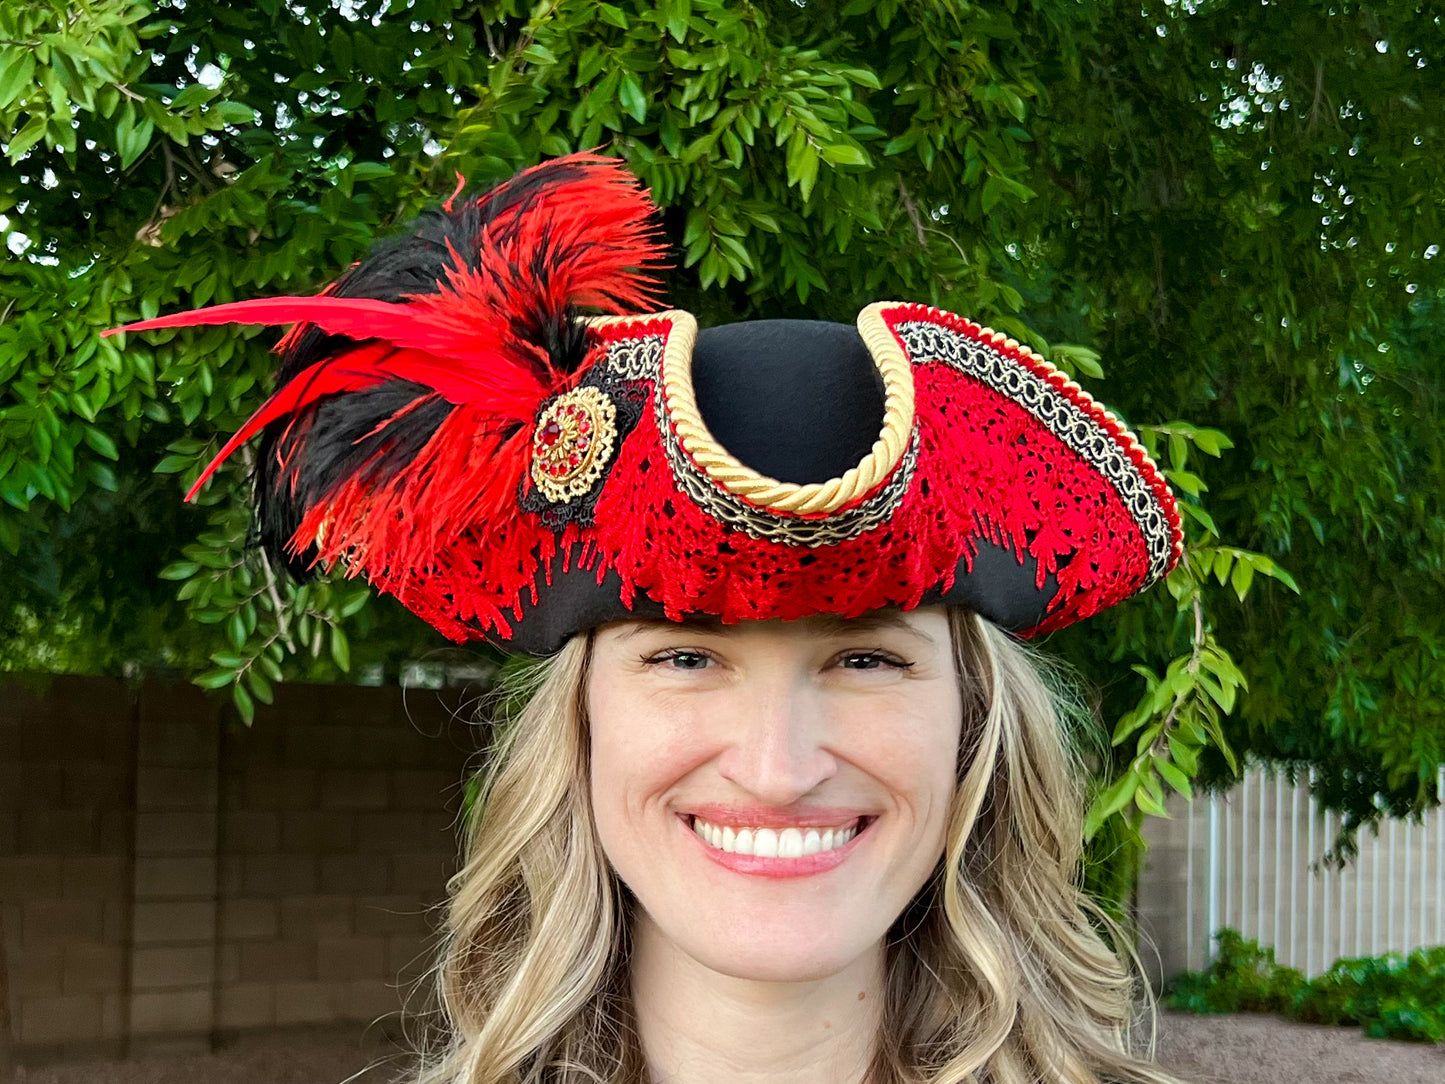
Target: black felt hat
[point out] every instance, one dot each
(513, 469)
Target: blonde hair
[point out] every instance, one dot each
(997, 971)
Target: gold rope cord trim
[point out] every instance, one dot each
(790, 497)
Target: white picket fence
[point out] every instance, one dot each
(1250, 860)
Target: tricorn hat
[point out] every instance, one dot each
(451, 424)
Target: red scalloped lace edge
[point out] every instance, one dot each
(1046, 370)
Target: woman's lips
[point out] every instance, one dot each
(805, 866)
(754, 816)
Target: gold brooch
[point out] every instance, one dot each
(572, 443)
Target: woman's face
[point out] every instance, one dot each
(776, 740)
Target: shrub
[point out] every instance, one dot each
(1391, 996)
(1243, 978)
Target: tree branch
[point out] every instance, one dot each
(282, 626)
(912, 209)
(1193, 666)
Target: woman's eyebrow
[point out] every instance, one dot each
(700, 623)
(831, 625)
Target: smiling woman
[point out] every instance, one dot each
(611, 919)
(789, 799)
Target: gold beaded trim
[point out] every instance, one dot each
(790, 497)
(572, 443)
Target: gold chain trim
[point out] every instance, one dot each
(758, 489)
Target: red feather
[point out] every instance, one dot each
(572, 232)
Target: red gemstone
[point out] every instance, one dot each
(574, 460)
(584, 426)
(581, 444)
(550, 432)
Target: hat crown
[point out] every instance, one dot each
(796, 400)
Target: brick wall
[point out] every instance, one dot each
(166, 875)
(66, 828)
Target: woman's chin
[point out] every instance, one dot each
(762, 957)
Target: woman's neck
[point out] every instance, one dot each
(699, 1026)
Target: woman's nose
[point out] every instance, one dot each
(777, 748)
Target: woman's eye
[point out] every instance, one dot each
(872, 660)
(679, 660)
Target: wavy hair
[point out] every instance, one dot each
(999, 971)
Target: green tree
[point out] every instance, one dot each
(1248, 201)
(1093, 179)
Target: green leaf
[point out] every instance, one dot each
(101, 442)
(1211, 441)
(612, 14)
(15, 77)
(1178, 451)
(195, 94)
(1200, 516)
(899, 144)
(807, 170)
(102, 476)
(174, 464)
(26, 138)
(844, 154)
(1111, 801)
(353, 605)
(1086, 361)
(232, 113)
(340, 649)
(1147, 801)
(1148, 736)
(245, 706)
(1184, 754)
(1188, 481)
(1128, 723)
(992, 193)
(629, 93)
(1223, 695)
(1223, 562)
(259, 686)
(678, 17)
(214, 679)
(1241, 579)
(179, 570)
(1174, 777)
(1266, 566)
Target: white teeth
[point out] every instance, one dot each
(771, 842)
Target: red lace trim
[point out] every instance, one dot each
(993, 468)
(1070, 391)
